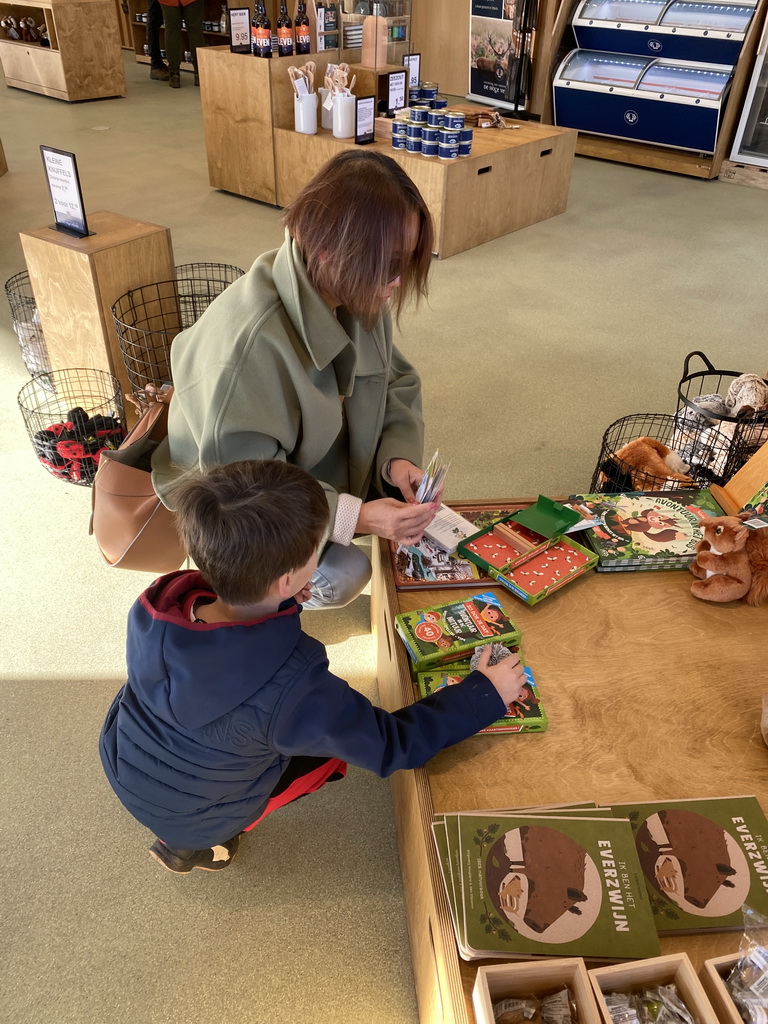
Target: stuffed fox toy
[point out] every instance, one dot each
(642, 463)
(731, 562)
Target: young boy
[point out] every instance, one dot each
(230, 710)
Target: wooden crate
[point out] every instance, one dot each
(534, 978)
(712, 976)
(744, 174)
(660, 970)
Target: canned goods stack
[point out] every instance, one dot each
(429, 128)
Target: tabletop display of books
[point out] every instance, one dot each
(601, 882)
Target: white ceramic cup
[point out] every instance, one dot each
(343, 115)
(305, 113)
(326, 113)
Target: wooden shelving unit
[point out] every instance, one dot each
(83, 61)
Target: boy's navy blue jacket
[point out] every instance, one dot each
(200, 734)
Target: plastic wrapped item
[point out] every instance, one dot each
(558, 1007)
(748, 980)
(659, 1005)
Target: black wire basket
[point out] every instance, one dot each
(720, 421)
(614, 475)
(71, 416)
(147, 319)
(26, 323)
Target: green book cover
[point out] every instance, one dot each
(758, 507)
(448, 632)
(702, 859)
(646, 530)
(544, 886)
(524, 715)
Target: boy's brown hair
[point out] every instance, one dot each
(248, 523)
(352, 223)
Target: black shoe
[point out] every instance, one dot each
(175, 81)
(160, 74)
(182, 861)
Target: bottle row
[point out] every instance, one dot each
(292, 38)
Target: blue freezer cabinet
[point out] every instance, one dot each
(676, 29)
(661, 102)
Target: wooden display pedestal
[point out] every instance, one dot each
(513, 178)
(77, 280)
(83, 61)
(608, 652)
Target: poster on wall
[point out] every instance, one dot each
(501, 41)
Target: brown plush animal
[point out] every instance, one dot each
(731, 562)
(649, 461)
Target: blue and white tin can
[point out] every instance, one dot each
(436, 119)
(448, 150)
(439, 102)
(398, 141)
(466, 135)
(399, 127)
(450, 136)
(465, 148)
(419, 112)
(454, 119)
(428, 91)
(413, 145)
(413, 130)
(430, 134)
(428, 148)
(414, 94)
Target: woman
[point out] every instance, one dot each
(295, 361)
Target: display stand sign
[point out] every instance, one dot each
(240, 29)
(412, 61)
(365, 114)
(396, 83)
(502, 35)
(66, 194)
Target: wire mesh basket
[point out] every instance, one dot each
(643, 469)
(26, 323)
(71, 416)
(147, 319)
(721, 419)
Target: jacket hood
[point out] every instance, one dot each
(200, 671)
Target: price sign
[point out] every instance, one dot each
(240, 29)
(64, 189)
(396, 84)
(365, 112)
(412, 61)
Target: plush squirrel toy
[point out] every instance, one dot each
(641, 464)
(731, 562)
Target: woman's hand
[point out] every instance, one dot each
(405, 476)
(395, 520)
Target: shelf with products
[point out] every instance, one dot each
(82, 60)
(213, 12)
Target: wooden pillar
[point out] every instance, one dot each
(77, 280)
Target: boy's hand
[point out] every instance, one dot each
(304, 594)
(406, 477)
(508, 677)
(395, 520)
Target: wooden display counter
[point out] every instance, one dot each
(651, 694)
(83, 61)
(513, 178)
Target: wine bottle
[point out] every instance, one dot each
(284, 32)
(302, 29)
(261, 32)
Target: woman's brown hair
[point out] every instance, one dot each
(352, 222)
(248, 523)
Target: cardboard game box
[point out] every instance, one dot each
(527, 551)
(449, 632)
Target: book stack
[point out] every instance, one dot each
(601, 882)
(643, 530)
(353, 36)
(446, 633)
(524, 715)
